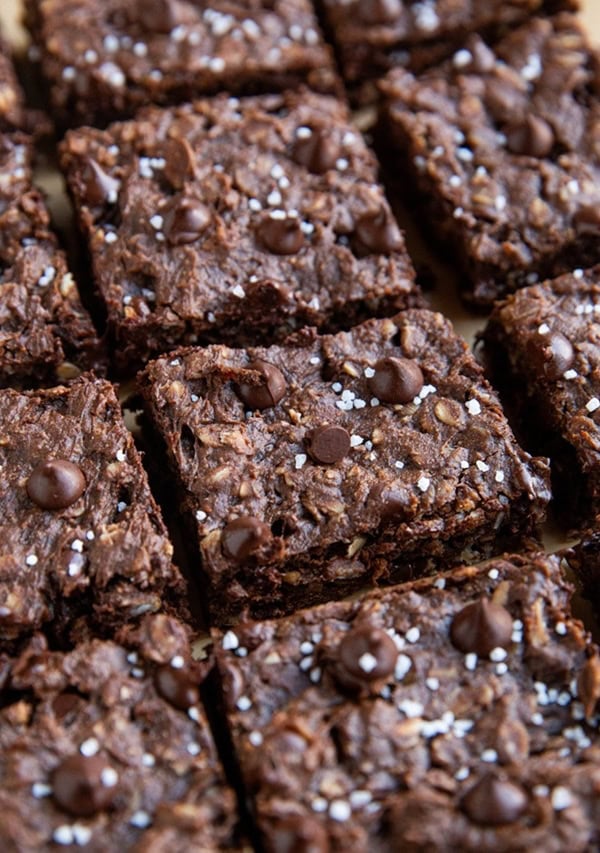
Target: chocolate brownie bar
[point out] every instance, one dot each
(310, 470)
(103, 59)
(107, 747)
(235, 221)
(500, 144)
(82, 544)
(45, 332)
(450, 714)
(373, 36)
(542, 345)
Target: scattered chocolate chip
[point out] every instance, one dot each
(494, 802)
(328, 444)
(179, 162)
(83, 785)
(243, 536)
(281, 236)
(317, 152)
(266, 393)
(367, 654)
(532, 136)
(185, 220)
(588, 685)
(55, 484)
(396, 380)
(480, 627)
(379, 11)
(377, 233)
(587, 219)
(99, 188)
(296, 834)
(153, 15)
(393, 503)
(176, 686)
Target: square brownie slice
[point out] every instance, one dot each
(83, 546)
(310, 470)
(45, 333)
(542, 346)
(107, 747)
(373, 36)
(237, 221)
(450, 714)
(501, 144)
(103, 59)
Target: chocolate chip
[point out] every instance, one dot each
(65, 704)
(494, 802)
(55, 484)
(377, 233)
(268, 391)
(185, 220)
(396, 380)
(587, 219)
(480, 627)
(281, 236)
(379, 11)
(176, 686)
(393, 504)
(243, 536)
(83, 785)
(296, 834)
(328, 444)
(532, 136)
(153, 15)
(317, 151)
(588, 685)
(179, 162)
(367, 654)
(99, 188)
(551, 354)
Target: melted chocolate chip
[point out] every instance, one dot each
(379, 11)
(317, 152)
(533, 137)
(480, 627)
(243, 536)
(551, 354)
(396, 380)
(65, 704)
(82, 786)
(99, 188)
(176, 686)
(588, 685)
(179, 162)
(266, 393)
(281, 236)
(328, 444)
(297, 834)
(377, 233)
(587, 219)
(185, 220)
(153, 15)
(55, 484)
(366, 654)
(494, 802)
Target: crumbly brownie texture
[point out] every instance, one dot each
(373, 36)
(103, 59)
(235, 221)
(543, 347)
(450, 714)
(502, 147)
(107, 747)
(83, 547)
(12, 110)
(310, 470)
(45, 333)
